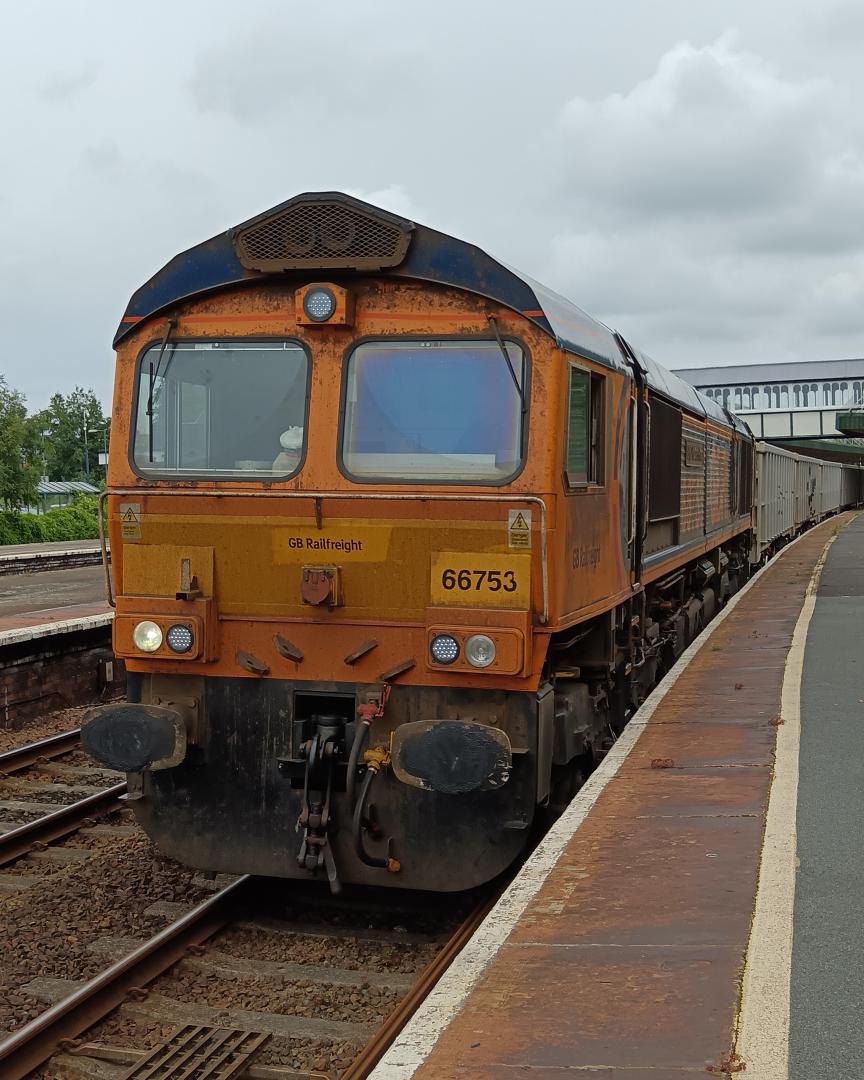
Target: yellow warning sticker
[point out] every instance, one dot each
(130, 521)
(519, 529)
(463, 579)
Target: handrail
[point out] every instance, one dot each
(103, 545)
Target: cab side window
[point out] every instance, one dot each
(584, 458)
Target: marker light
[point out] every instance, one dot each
(444, 649)
(319, 304)
(179, 638)
(147, 636)
(479, 650)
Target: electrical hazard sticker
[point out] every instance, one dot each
(519, 529)
(130, 521)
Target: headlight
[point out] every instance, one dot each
(444, 649)
(179, 638)
(479, 650)
(319, 304)
(147, 636)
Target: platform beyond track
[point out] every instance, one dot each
(24, 594)
(53, 547)
(619, 950)
(41, 558)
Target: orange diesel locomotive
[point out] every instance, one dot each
(399, 538)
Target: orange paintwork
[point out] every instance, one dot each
(254, 584)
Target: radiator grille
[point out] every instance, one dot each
(320, 235)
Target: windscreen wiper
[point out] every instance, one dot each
(154, 375)
(509, 362)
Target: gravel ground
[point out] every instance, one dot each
(361, 911)
(64, 771)
(27, 867)
(41, 728)
(25, 790)
(18, 817)
(79, 758)
(365, 1004)
(329, 1059)
(361, 1005)
(46, 928)
(298, 949)
(89, 841)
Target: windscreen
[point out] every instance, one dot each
(221, 409)
(434, 410)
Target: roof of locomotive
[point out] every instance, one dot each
(425, 255)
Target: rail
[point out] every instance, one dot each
(53, 826)
(22, 757)
(34, 1043)
(374, 1050)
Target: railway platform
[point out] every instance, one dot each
(55, 547)
(35, 599)
(39, 558)
(31, 625)
(665, 927)
(55, 642)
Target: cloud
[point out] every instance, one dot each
(713, 204)
(63, 86)
(702, 192)
(839, 26)
(103, 158)
(711, 131)
(281, 70)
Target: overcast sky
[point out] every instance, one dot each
(691, 174)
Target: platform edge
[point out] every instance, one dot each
(762, 1038)
(416, 1041)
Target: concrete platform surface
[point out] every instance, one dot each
(619, 950)
(22, 594)
(827, 977)
(16, 629)
(56, 601)
(56, 546)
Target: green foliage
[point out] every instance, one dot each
(20, 459)
(78, 521)
(73, 430)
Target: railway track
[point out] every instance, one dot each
(55, 821)
(22, 757)
(387, 998)
(228, 1038)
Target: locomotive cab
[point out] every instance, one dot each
(376, 519)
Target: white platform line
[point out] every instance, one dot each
(62, 626)
(428, 1024)
(763, 1022)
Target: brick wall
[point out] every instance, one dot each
(53, 673)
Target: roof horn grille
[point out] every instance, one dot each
(323, 233)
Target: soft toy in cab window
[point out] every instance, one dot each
(292, 444)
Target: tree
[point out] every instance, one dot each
(73, 429)
(20, 464)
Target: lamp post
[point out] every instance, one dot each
(103, 453)
(86, 450)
